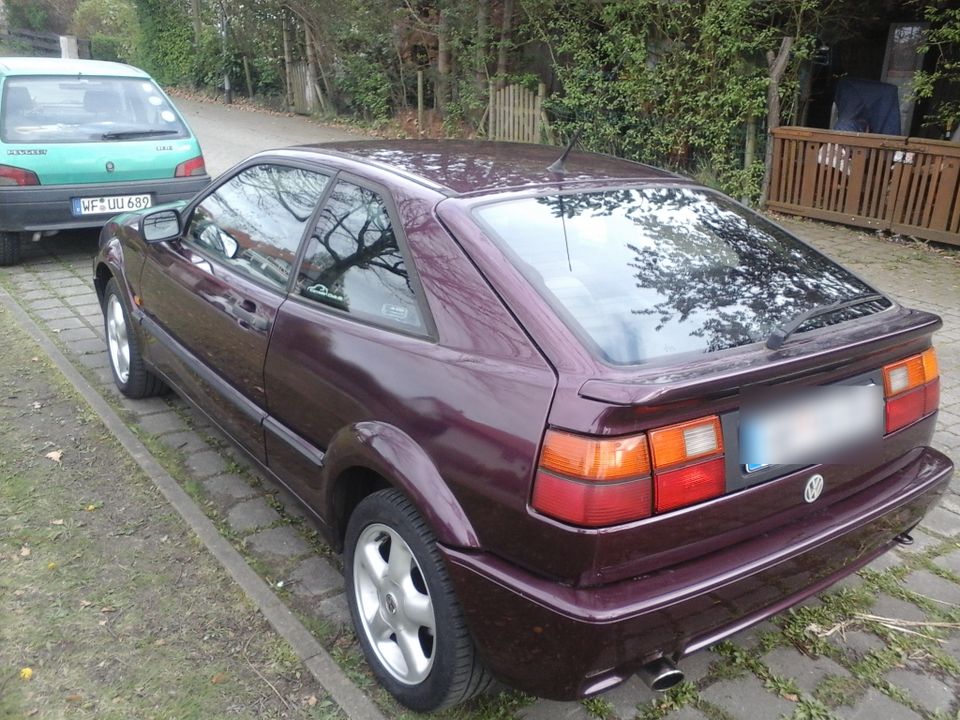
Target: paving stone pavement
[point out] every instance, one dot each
(857, 669)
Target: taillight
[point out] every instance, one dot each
(193, 166)
(594, 482)
(911, 388)
(688, 463)
(10, 175)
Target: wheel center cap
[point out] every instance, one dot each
(391, 603)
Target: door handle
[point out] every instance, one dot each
(246, 314)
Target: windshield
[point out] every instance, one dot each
(85, 109)
(643, 273)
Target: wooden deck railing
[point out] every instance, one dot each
(905, 185)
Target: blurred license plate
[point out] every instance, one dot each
(111, 204)
(813, 427)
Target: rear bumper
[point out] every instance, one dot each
(49, 207)
(563, 642)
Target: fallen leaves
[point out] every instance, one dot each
(55, 455)
(56, 522)
(26, 673)
(218, 678)
(25, 551)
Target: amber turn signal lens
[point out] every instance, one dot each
(911, 373)
(595, 458)
(931, 367)
(687, 441)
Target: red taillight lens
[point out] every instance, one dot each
(10, 175)
(692, 484)
(595, 482)
(193, 166)
(591, 504)
(912, 389)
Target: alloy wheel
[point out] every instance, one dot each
(117, 340)
(396, 611)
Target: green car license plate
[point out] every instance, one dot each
(110, 204)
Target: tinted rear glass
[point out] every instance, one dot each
(88, 109)
(642, 273)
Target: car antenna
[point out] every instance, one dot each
(558, 165)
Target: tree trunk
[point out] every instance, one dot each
(778, 66)
(443, 63)
(313, 86)
(506, 39)
(195, 15)
(480, 56)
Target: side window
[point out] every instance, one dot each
(253, 223)
(353, 262)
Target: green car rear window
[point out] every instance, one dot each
(45, 109)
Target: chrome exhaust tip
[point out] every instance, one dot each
(660, 674)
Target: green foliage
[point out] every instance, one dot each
(111, 26)
(166, 50)
(672, 84)
(943, 41)
(364, 87)
(28, 14)
(107, 47)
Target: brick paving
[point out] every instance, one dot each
(855, 669)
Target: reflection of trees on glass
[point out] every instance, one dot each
(353, 261)
(705, 261)
(265, 209)
(651, 271)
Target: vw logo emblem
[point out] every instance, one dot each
(110, 166)
(813, 488)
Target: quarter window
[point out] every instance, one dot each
(253, 223)
(353, 262)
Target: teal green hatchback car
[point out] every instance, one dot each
(83, 140)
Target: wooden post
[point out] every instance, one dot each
(247, 76)
(287, 60)
(750, 145)
(420, 101)
(778, 66)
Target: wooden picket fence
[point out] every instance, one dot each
(905, 185)
(515, 114)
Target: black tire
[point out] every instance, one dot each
(134, 380)
(9, 248)
(455, 672)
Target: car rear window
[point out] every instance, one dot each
(643, 273)
(55, 109)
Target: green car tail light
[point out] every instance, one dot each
(193, 166)
(10, 175)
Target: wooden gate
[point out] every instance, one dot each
(299, 85)
(905, 185)
(515, 114)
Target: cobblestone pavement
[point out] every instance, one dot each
(883, 644)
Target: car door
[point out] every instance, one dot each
(210, 298)
(355, 317)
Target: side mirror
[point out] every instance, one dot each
(219, 241)
(160, 226)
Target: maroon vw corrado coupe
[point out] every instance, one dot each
(567, 421)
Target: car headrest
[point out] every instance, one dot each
(18, 100)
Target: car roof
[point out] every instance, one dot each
(66, 66)
(461, 167)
